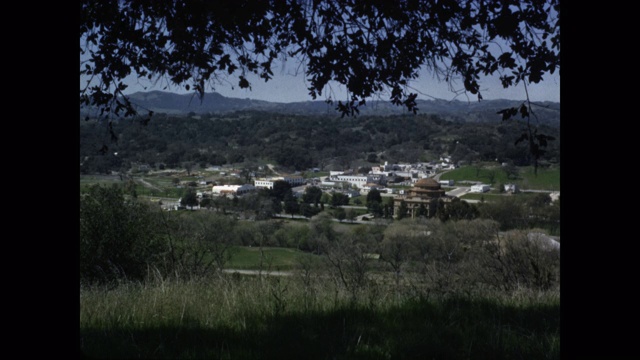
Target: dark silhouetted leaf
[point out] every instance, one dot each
(522, 138)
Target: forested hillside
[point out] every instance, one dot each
(300, 142)
(461, 109)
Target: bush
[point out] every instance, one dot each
(118, 236)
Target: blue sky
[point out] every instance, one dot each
(288, 87)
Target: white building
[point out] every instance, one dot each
(370, 186)
(293, 180)
(356, 180)
(512, 188)
(479, 188)
(232, 189)
(360, 181)
(264, 184)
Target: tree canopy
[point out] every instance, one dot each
(370, 47)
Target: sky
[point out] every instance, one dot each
(286, 86)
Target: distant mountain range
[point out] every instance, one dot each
(475, 111)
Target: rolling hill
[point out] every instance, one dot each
(548, 113)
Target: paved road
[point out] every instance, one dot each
(436, 177)
(149, 185)
(458, 191)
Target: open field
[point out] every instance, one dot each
(489, 196)
(319, 174)
(157, 185)
(86, 180)
(546, 179)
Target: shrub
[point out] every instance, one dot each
(118, 236)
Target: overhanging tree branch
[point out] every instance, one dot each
(369, 47)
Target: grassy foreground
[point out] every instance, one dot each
(244, 317)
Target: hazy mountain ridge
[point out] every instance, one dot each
(467, 111)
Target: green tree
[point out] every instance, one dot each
(130, 187)
(491, 175)
(119, 237)
(188, 166)
(422, 211)
(510, 170)
(321, 232)
(375, 208)
(539, 200)
(291, 205)
(307, 210)
(280, 189)
(206, 203)
(374, 203)
(206, 241)
(397, 247)
(276, 206)
(340, 214)
(520, 259)
(265, 231)
(189, 198)
(457, 210)
(312, 195)
(325, 198)
(338, 199)
(350, 214)
(402, 211)
(349, 260)
(374, 196)
(509, 212)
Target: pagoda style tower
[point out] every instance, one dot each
(425, 193)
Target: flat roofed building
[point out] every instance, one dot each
(265, 184)
(232, 189)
